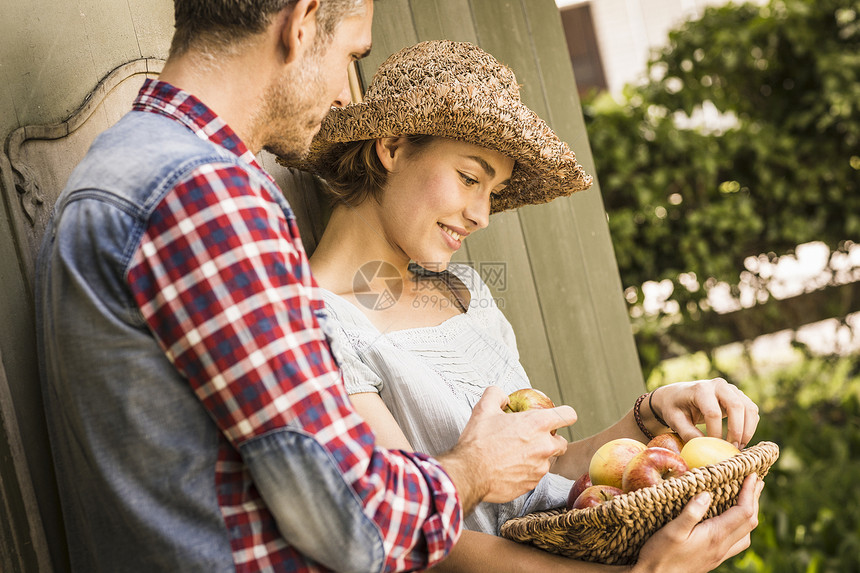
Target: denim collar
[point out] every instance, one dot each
(163, 98)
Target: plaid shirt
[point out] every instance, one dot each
(223, 281)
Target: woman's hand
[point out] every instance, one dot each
(684, 545)
(685, 404)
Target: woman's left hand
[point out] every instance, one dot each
(685, 404)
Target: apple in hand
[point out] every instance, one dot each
(650, 467)
(707, 450)
(582, 483)
(526, 399)
(608, 462)
(669, 440)
(595, 495)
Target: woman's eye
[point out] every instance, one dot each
(468, 180)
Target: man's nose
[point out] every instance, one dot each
(344, 97)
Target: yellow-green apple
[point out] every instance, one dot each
(582, 483)
(707, 450)
(669, 440)
(650, 467)
(526, 399)
(608, 462)
(595, 495)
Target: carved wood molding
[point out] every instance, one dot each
(28, 201)
(26, 178)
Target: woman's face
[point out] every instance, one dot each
(437, 194)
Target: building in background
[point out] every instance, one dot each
(610, 40)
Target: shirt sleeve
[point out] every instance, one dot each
(225, 286)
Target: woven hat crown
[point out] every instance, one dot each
(432, 63)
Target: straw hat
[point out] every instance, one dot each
(459, 91)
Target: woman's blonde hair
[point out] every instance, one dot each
(358, 174)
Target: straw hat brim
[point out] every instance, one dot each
(545, 167)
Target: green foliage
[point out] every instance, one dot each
(787, 171)
(690, 205)
(809, 519)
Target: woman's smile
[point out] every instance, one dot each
(452, 237)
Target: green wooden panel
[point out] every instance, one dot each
(588, 218)
(393, 30)
(444, 20)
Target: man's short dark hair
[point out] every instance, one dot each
(217, 25)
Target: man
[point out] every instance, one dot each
(197, 417)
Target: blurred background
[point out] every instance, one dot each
(726, 138)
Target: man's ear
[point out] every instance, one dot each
(299, 29)
(389, 149)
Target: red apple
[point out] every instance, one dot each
(650, 467)
(707, 450)
(608, 462)
(670, 441)
(595, 495)
(580, 485)
(526, 399)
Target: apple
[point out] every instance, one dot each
(707, 450)
(582, 483)
(608, 462)
(669, 440)
(526, 399)
(650, 467)
(595, 495)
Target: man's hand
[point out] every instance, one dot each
(503, 455)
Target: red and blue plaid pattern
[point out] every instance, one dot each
(224, 283)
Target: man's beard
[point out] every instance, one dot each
(291, 114)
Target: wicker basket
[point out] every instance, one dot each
(614, 531)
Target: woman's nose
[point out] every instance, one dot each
(478, 211)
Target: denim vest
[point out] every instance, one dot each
(134, 450)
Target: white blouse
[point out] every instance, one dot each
(430, 378)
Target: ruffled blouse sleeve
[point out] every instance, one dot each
(357, 376)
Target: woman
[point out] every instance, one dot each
(440, 142)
